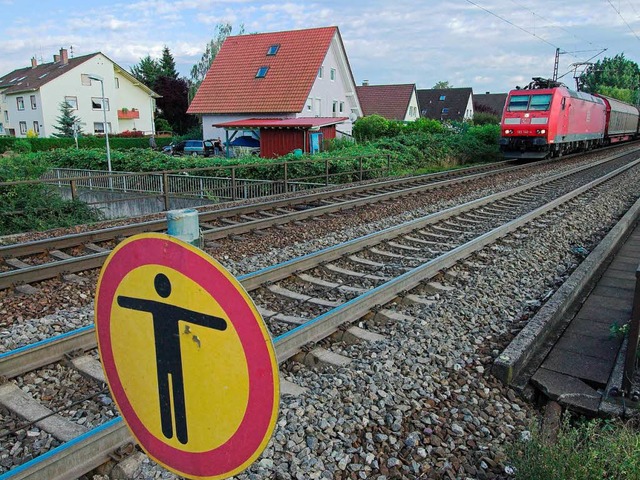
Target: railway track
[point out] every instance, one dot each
(307, 299)
(34, 261)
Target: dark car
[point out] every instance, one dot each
(192, 147)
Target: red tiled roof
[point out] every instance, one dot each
(231, 85)
(389, 101)
(300, 122)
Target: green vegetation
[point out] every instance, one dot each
(615, 77)
(66, 121)
(27, 207)
(587, 450)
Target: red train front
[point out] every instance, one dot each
(539, 121)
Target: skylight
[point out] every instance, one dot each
(273, 49)
(262, 72)
(44, 75)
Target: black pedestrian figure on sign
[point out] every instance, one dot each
(166, 333)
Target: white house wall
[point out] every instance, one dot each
(326, 91)
(468, 112)
(412, 113)
(53, 93)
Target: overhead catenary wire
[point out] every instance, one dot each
(623, 19)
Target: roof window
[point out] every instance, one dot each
(273, 49)
(442, 98)
(44, 75)
(262, 72)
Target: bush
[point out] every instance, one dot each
(482, 118)
(370, 128)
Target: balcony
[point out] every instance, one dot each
(126, 114)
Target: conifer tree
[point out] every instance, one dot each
(168, 64)
(66, 121)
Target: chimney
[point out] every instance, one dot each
(34, 62)
(56, 58)
(365, 83)
(64, 56)
(488, 93)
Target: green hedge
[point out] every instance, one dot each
(25, 145)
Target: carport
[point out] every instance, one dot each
(280, 136)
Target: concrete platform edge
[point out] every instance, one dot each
(548, 322)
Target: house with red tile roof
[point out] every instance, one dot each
(30, 97)
(393, 102)
(290, 74)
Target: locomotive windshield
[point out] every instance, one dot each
(520, 103)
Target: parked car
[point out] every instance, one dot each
(191, 147)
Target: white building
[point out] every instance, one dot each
(31, 97)
(297, 73)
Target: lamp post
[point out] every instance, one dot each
(106, 127)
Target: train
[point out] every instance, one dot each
(547, 119)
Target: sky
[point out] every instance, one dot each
(489, 45)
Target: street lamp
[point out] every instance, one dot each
(104, 115)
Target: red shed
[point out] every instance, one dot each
(279, 136)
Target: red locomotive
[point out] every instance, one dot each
(547, 118)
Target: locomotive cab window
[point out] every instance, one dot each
(540, 102)
(518, 103)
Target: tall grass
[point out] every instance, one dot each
(585, 450)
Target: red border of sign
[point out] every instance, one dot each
(261, 413)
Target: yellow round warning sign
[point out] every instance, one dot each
(187, 357)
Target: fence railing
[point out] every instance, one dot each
(631, 358)
(221, 183)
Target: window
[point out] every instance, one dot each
(96, 103)
(86, 81)
(333, 74)
(518, 103)
(262, 72)
(442, 98)
(36, 128)
(23, 128)
(33, 102)
(540, 102)
(98, 127)
(341, 107)
(310, 104)
(445, 110)
(320, 72)
(116, 81)
(20, 103)
(6, 116)
(273, 49)
(334, 108)
(72, 102)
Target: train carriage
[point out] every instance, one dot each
(623, 120)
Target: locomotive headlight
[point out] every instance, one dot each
(541, 131)
(508, 132)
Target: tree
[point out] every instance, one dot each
(174, 102)
(443, 84)
(147, 71)
(167, 64)
(616, 77)
(200, 69)
(66, 121)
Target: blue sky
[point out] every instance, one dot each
(489, 45)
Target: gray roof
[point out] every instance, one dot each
(444, 103)
(31, 79)
(490, 103)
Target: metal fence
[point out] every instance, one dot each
(215, 184)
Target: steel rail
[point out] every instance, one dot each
(86, 262)
(83, 454)
(105, 234)
(11, 363)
